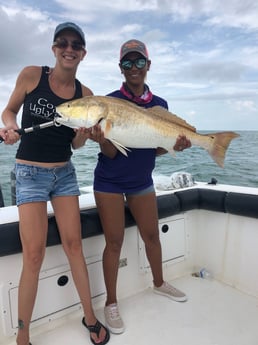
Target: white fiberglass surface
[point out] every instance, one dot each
(215, 314)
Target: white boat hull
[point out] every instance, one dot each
(224, 242)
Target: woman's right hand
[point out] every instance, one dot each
(107, 148)
(9, 136)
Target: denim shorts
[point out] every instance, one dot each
(144, 191)
(147, 190)
(34, 183)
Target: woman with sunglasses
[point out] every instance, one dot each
(118, 176)
(44, 171)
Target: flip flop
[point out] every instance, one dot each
(96, 329)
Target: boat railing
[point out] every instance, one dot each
(170, 204)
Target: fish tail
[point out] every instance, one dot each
(219, 145)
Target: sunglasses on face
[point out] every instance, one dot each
(140, 63)
(62, 43)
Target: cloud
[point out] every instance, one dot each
(245, 105)
(202, 51)
(21, 35)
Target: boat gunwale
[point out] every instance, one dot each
(169, 204)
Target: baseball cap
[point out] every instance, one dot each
(72, 27)
(133, 46)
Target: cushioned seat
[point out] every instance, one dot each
(168, 205)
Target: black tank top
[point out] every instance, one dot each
(51, 144)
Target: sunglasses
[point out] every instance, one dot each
(140, 63)
(62, 43)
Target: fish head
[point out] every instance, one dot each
(82, 112)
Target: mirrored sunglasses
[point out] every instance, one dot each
(62, 43)
(140, 63)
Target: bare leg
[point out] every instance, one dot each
(111, 212)
(68, 220)
(33, 232)
(144, 210)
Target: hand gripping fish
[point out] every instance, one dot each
(127, 125)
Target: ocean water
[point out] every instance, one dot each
(241, 164)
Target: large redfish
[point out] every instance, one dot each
(128, 125)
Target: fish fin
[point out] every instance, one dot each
(120, 147)
(219, 145)
(167, 115)
(107, 126)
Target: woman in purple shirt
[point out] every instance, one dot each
(118, 176)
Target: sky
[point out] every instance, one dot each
(204, 53)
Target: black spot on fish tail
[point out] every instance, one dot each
(99, 121)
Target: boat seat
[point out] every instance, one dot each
(168, 205)
(206, 199)
(242, 204)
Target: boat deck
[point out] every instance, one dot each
(215, 314)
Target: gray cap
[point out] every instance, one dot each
(133, 46)
(72, 27)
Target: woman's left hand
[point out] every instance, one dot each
(97, 134)
(82, 134)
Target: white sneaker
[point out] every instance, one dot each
(170, 291)
(114, 321)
